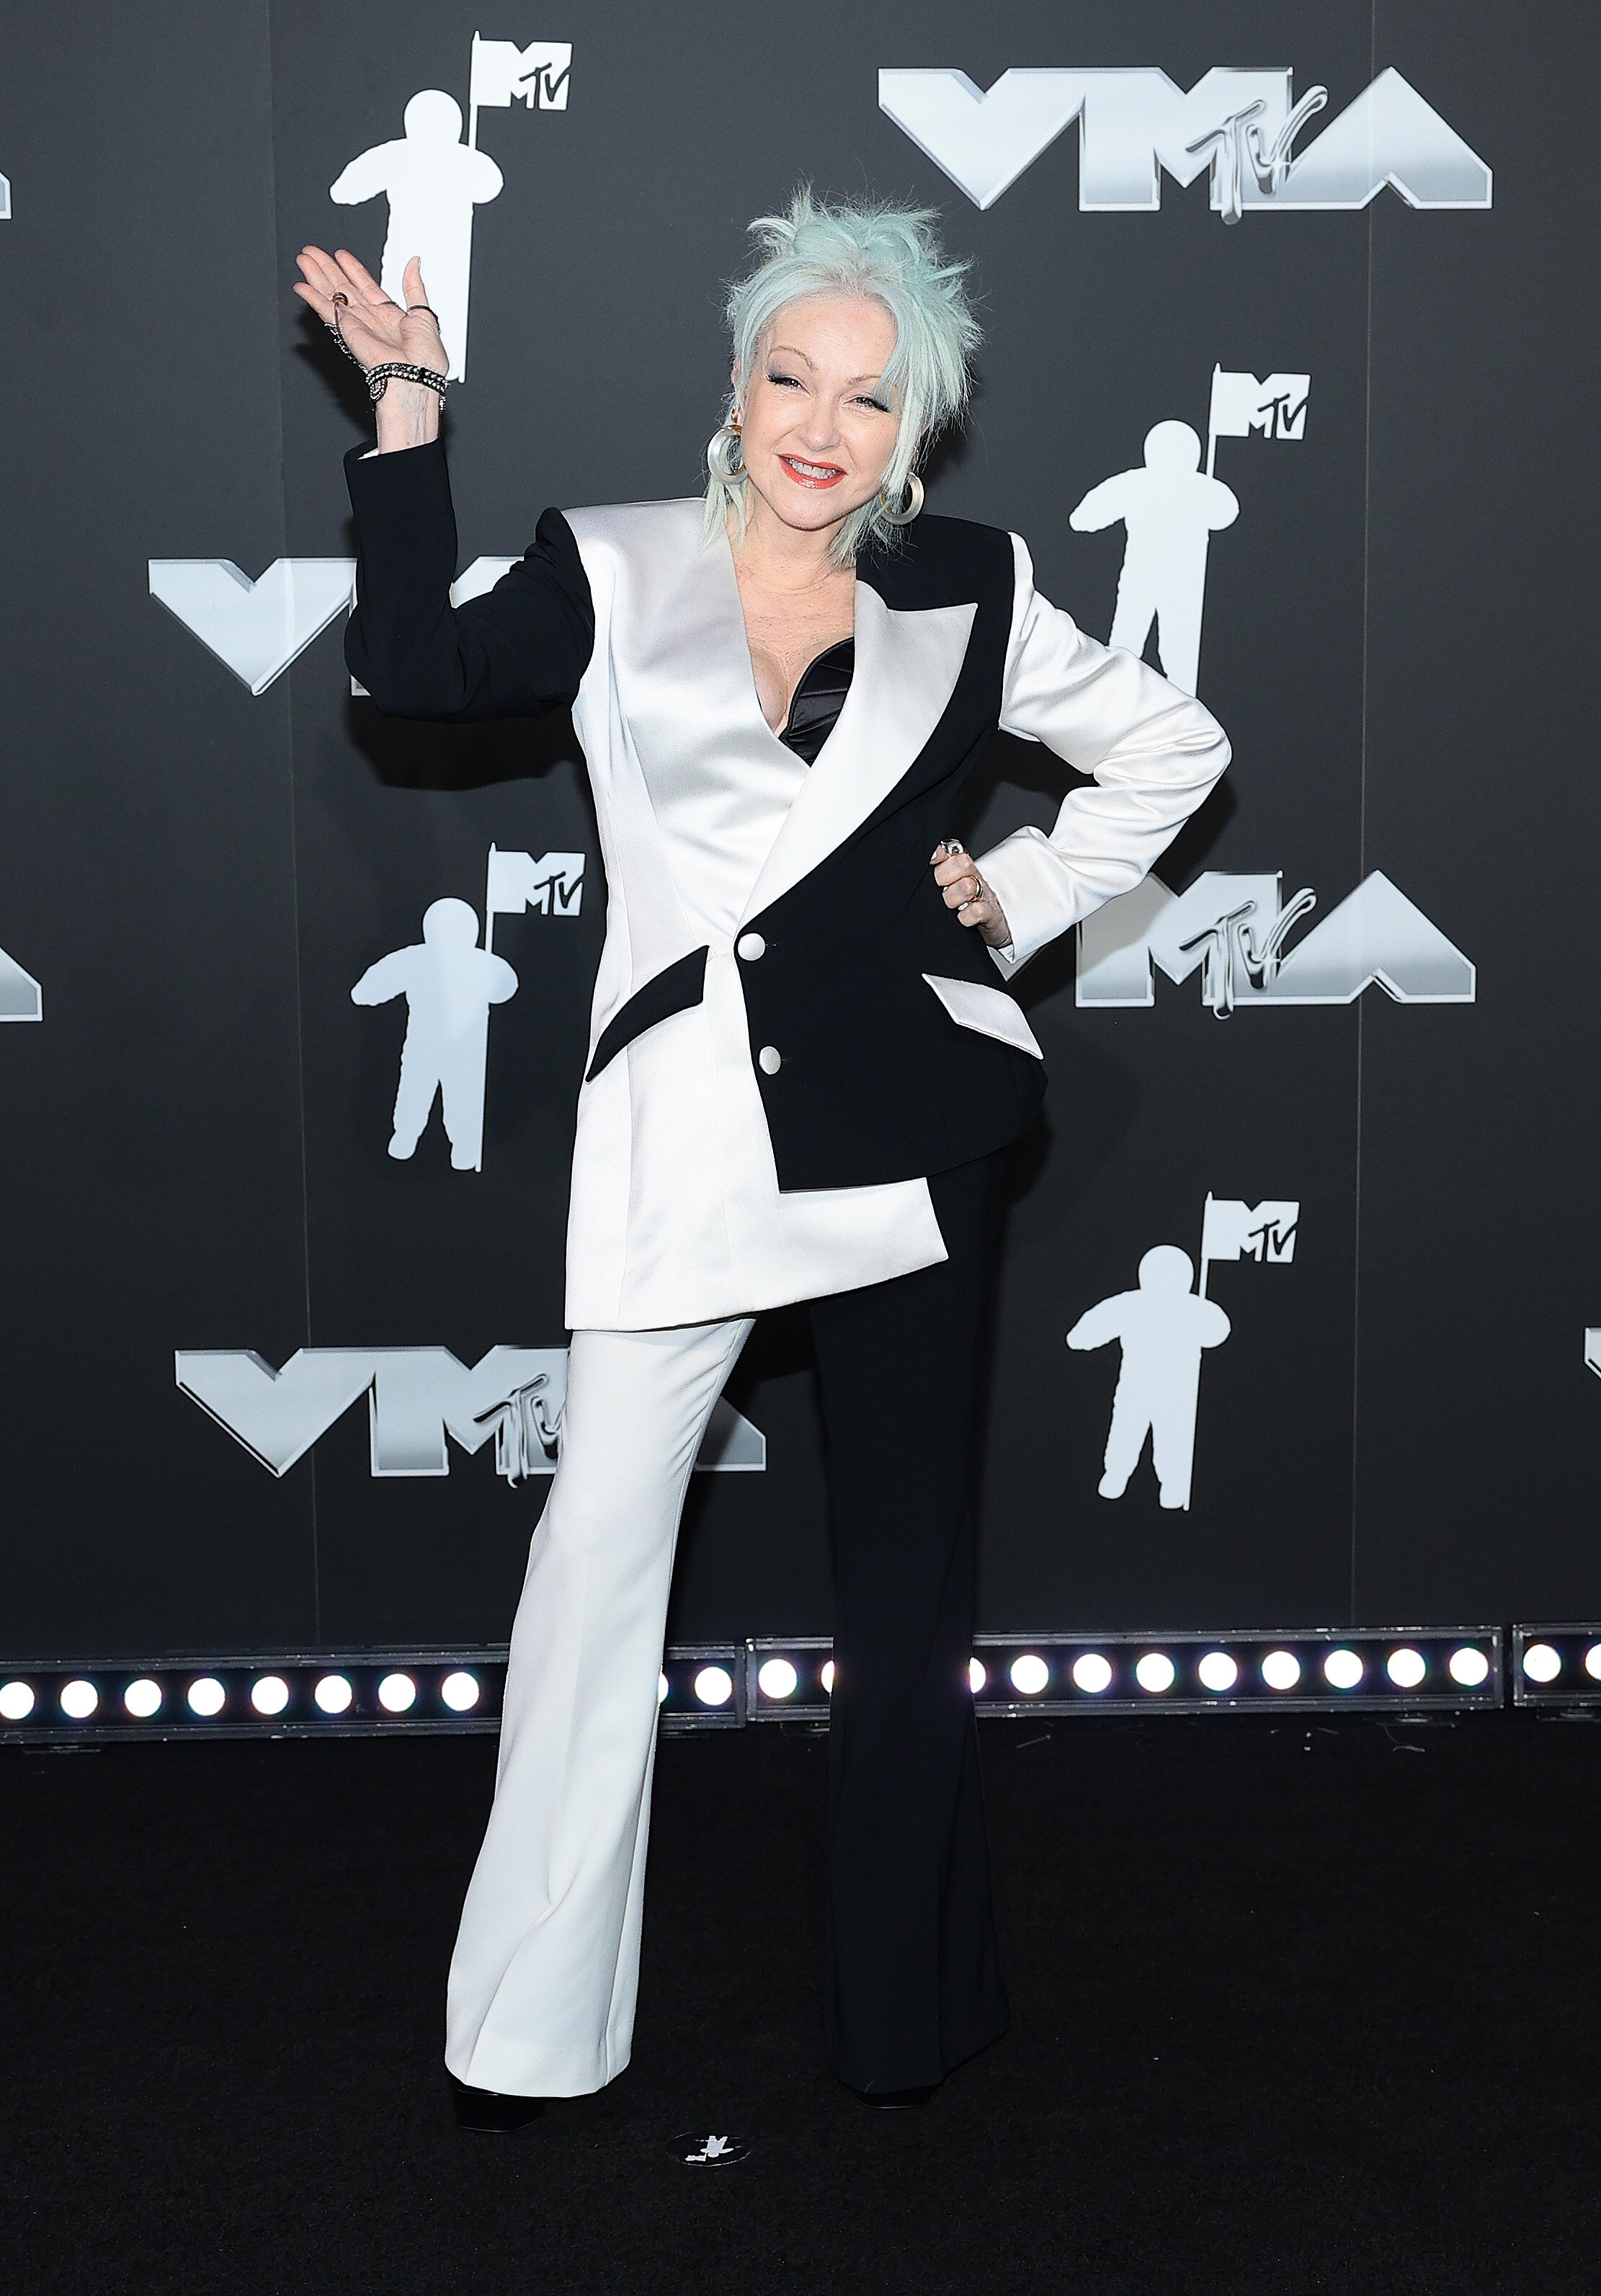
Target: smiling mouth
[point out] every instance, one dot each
(816, 475)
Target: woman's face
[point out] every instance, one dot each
(818, 431)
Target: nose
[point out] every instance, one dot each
(820, 429)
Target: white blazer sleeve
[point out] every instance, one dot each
(1155, 754)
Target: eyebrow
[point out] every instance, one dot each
(796, 353)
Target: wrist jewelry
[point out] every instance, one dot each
(378, 379)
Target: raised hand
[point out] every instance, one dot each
(374, 327)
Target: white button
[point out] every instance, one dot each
(770, 1060)
(750, 946)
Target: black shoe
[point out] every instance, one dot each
(483, 2109)
(897, 2100)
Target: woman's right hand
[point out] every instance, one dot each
(377, 331)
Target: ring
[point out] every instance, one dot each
(412, 309)
(341, 298)
(951, 847)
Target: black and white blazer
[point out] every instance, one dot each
(790, 1030)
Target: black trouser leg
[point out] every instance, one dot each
(914, 1980)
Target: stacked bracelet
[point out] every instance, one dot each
(378, 379)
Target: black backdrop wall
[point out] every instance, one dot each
(1395, 632)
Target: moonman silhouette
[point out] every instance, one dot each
(449, 984)
(1170, 509)
(434, 182)
(1163, 1328)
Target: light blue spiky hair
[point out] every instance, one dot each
(824, 247)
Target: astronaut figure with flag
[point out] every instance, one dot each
(1166, 1327)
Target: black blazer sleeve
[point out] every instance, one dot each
(516, 652)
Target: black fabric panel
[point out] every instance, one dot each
(876, 1082)
(518, 652)
(819, 699)
(914, 1976)
(675, 989)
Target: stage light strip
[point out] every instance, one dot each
(1557, 1665)
(1374, 1670)
(722, 1685)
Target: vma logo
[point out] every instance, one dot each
(1238, 127)
(415, 1397)
(256, 628)
(1234, 931)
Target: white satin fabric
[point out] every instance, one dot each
(706, 817)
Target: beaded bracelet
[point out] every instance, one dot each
(379, 378)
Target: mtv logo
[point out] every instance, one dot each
(503, 74)
(1242, 407)
(1265, 1232)
(415, 1397)
(1234, 930)
(552, 886)
(257, 629)
(1237, 126)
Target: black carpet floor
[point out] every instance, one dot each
(1293, 2009)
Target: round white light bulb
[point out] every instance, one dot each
(1217, 1671)
(79, 1700)
(397, 1693)
(1541, 1662)
(1281, 1670)
(1156, 1672)
(1092, 1673)
(1592, 1663)
(460, 1692)
(661, 1689)
(827, 1675)
(142, 1698)
(1470, 1666)
(333, 1694)
(713, 1686)
(206, 1697)
(777, 1678)
(977, 1675)
(16, 1700)
(1030, 1674)
(1406, 1668)
(269, 1694)
(1343, 1668)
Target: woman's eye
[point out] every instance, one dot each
(792, 381)
(876, 404)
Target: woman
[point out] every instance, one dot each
(804, 1069)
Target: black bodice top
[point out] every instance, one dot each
(819, 699)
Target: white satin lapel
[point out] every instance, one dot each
(907, 666)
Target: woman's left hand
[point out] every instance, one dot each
(956, 873)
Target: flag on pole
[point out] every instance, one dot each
(503, 74)
(553, 885)
(1242, 407)
(1264, 1232)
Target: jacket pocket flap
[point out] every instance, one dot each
(991, 1012)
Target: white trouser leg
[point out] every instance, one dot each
(546, 1965)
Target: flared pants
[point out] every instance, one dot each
(543, 1977)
